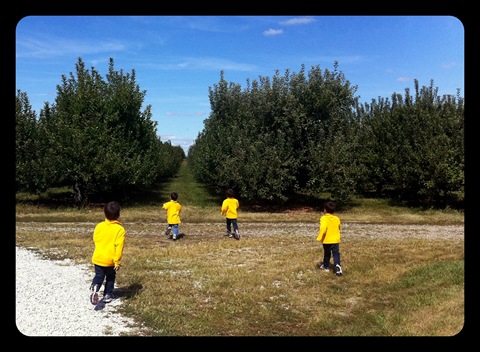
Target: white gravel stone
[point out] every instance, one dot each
(52, 299)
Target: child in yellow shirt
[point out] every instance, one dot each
(173, 209)
(109, 239)
(229, 209)
(329, 235)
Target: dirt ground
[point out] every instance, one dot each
(348, 230)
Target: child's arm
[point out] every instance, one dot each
(323, 230)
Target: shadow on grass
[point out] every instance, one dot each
(56, 198)
(295, 202)
(121, 292)
(160, 193)
(129, 291)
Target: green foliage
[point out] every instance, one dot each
(30, 174)
(279, 136)
(297, 133)
(308, 133)
(95, 139)
(414, 147)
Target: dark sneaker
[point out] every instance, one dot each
(93, 295)
(237, 235)
(322, 267)
(168, 231)
(108, 298)
(338, 270)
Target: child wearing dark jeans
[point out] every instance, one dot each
(109, 239)
(329, 235)
(229, 209)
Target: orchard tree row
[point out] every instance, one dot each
(94, 139)
(307, 133)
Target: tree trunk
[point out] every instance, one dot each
(79, 192)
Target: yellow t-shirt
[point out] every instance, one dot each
(229, 208)
(109, 239)
(329, 229)
(173, 209)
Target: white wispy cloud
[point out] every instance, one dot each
(449, 65)
(271, 31)
(54, 47)
(403, 79)
(297, 20)
(203, 63)
(183, 142)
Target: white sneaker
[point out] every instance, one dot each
(237, 235)
(108, 298)
(338, 270)
(93, 295)
(322, 267)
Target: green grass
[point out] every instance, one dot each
(191, 192)
(267, 284)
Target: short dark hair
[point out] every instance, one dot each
(174, 196)
(112, 210)
(330, 207)
(230, 192)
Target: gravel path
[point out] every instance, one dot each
(52, 299)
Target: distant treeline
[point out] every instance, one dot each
(307, 132)
(94, 139)
(302, 132)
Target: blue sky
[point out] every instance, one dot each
(177, 58)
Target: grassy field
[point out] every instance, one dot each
(403, 267)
